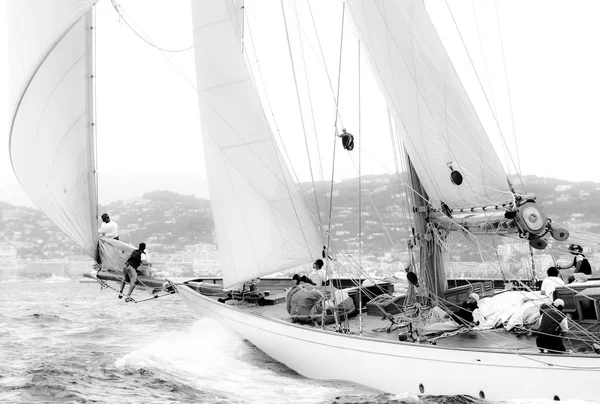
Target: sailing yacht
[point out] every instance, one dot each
(52, 105)
(263, 221)
(457, 183)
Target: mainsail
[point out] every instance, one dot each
(440, 128)
(51, 136)
(262, 224)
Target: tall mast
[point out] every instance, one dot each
(431, 260)
(90, 74)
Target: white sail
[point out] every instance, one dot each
(262, 223)
(441, 130)
(51, 145)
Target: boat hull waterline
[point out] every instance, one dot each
(402, 368)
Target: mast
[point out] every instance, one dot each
(90, 69)
(430, 252)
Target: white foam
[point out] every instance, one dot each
(208, 356)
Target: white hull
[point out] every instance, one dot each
(398, 367)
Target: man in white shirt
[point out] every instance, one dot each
(318, 275)
(550, 283)
(109, 227)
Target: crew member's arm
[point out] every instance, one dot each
(145, 261)
(567, 267)
(564, 325)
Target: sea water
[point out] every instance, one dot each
(75, 343)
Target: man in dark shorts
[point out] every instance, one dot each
(130, 272)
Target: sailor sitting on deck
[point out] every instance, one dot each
(552, 324)
(302, 280)
(583, 270)
(130, 272)
(550, 283)
(464, 316)
(318, 276)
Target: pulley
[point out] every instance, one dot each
(538, 243)
(560, 234)
(455, 176)
(347, 140)
(446, 209)
(530, 218)
(412, 278)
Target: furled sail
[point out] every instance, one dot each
(262, 223)
(441, 130)
(51, 135)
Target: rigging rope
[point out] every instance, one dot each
(312, 178)
(360, 327)
(512, 115)
(335, 130)
(119, 9)
(481, 87)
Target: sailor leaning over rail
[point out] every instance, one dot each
(130, 272)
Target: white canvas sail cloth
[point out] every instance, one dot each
(50, 150)
(262, 224)
(428, 101)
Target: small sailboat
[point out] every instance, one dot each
(52, 134)
(454, 180)
(57, 279)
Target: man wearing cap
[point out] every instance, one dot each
(552, 323)
(109, 227)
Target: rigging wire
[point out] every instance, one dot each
(512, 115)
(269, 106)
(121, 13)
(335, 126)
(267, 98)
(94, 140)
(360, 328)
(335, 96)
(481, 86)
(312, 178)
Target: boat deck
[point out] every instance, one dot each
(378, 327)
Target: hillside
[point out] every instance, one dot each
(168, 221)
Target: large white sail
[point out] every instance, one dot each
(441, 130)
(51, 146)
(262, 223)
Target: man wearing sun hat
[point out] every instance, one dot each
(552, 324)
(583, 270)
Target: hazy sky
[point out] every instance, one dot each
(146, 102)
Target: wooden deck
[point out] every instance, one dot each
(377, 326)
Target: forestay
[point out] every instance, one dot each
(439, 126)
(262, 224)
(51, 146)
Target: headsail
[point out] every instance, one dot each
(441, 130)
(51, 135)
(262, 223)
